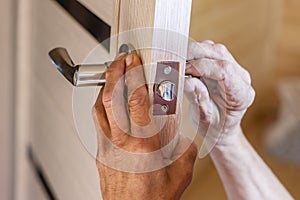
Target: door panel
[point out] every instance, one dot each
(36, 191)
(103, 9)
(69, 167)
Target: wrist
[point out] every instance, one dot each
(230, 137)
(230, 141)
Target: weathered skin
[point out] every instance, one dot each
(165, 183)
(219, 100)
(225, 98)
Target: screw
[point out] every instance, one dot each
(126, 48)
(164, 108)
(167, 70)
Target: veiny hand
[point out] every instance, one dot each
(222, 94)
(124, 128)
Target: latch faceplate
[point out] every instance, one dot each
(165, 88)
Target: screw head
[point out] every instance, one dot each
(164, 108)
(126, 48)
(167, 70)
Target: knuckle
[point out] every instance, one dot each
(107, 100)
(226, 69)
(109, 71)
(138, 98)
(208, 41)
(221, 49)
(247, 98)
(224, 64)
(95, 109)
(247, 76)
(192, 45)
(252, 95)
(120, 141)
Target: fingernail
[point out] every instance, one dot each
(118, 57)
(129, 59)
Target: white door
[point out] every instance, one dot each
(49, 141)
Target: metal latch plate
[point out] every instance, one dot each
(165, 88)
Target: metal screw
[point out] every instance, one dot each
(164, 108)
(126, 48)
(167, 70)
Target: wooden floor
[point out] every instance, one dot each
(271, 52)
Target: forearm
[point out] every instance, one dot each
(244, 174)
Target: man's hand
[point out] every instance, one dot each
(126, 131)
(220, 98)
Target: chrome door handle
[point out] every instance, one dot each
(87, 75)
(82, 75)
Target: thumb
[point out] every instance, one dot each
(138, 97)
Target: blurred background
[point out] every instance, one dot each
(263, 35)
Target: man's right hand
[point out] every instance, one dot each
(220, 98)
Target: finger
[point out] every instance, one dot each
(232, 88)
(219, 70)
(229, 80)
(100, 118)
(207, 49)
(114, 101)
(102, 128)
(195, 90)
(235, 97)
(202, 107)
(208, 42)
(198, 50)
(138, 98)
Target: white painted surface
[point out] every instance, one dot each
(102, 8)
(6, 98)
(36, 190)
(70, 168)
(47, 119)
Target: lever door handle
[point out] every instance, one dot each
(82, 75)
(94, 75)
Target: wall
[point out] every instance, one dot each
(249, 29)
(288, 51)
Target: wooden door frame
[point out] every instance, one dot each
(170, 23)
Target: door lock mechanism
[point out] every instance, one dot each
(164, 90)
(166, 87)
